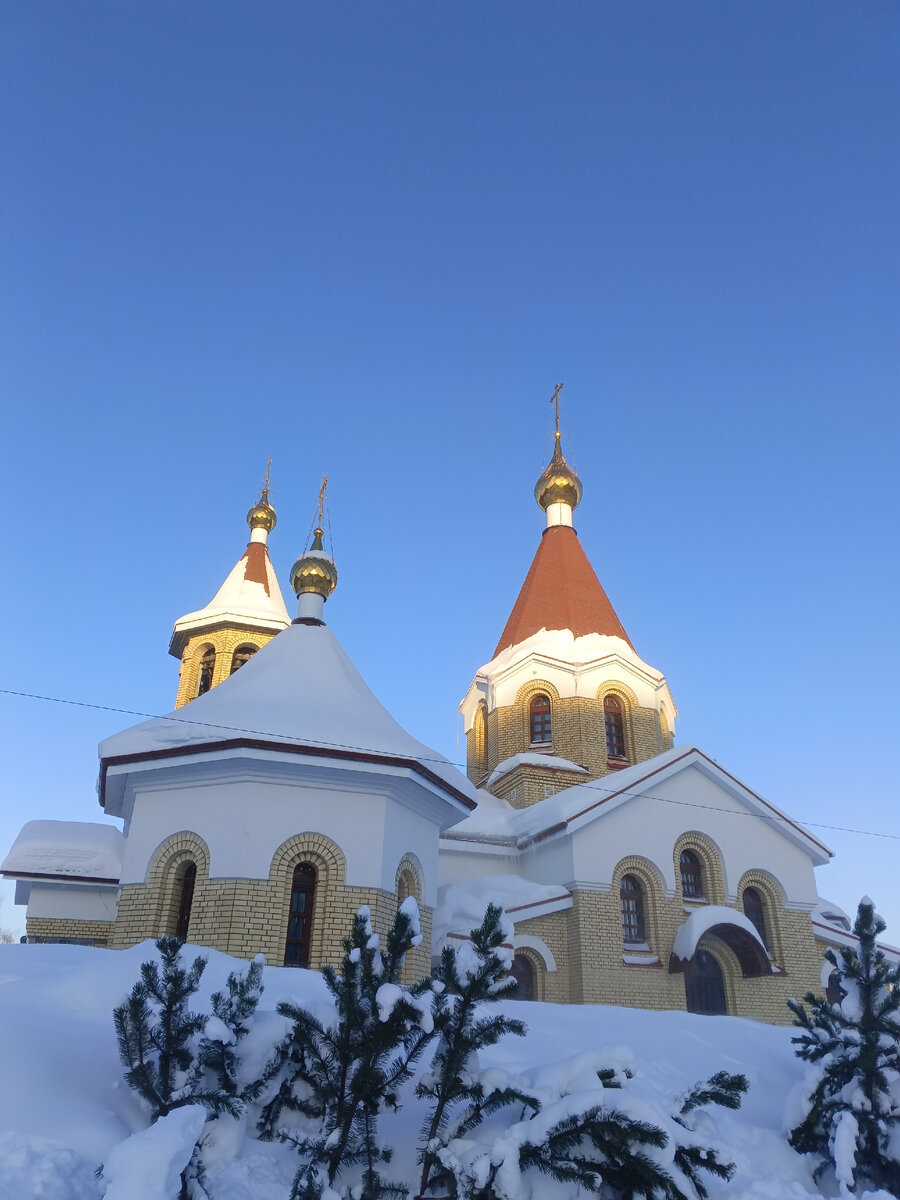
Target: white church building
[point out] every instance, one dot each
(279, 795)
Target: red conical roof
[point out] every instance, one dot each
(561, 591)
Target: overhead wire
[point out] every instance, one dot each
(592, 785)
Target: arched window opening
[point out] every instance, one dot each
(188, 877)
(615, 728)
(539, 716)
(479, 743)
(241, 655)
(300, 911)
(834, 993)
(631, 896)
(704, 986)
(522, 971)
(754, 910)
(406, 887)
(691, 876)
(207, 666)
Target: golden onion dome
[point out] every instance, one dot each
(314, 571)
(262, 514)
(558, 484)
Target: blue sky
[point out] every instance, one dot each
(368, 240)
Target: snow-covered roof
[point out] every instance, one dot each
(461, 906)
(68, 849)
(564, 645)
(834, 927)
(701, 920)
(560, 591)
(300, 690)
(521, 828)
(250, 595)
(534, 760)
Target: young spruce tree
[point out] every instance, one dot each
(155, 1028)
(854, 1108)
(232, 1010)
(598, 1147)
(343, 1075)
(468, 975)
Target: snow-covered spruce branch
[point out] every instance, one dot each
(853, 1093)
(346, 1073)
(468, 975)
(155, 1031)
(467, 1154)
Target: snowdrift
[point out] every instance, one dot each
(64, 1110)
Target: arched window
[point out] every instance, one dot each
(631, 897)
(188, 877)
(522, 971)
(241, 655)
(300, 910)
(834, 993)
(754, 909)
(479, 745)
(406, 887)
(539, 718)
(691, 876)
(207, 666)
(613, 719)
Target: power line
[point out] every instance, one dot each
(593, 785)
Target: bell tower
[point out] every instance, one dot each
(565, 697)
(245, 613)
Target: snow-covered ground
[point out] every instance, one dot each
(64, 1110)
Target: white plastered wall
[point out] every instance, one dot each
(74, 903)
(649, 827)
(244, 815)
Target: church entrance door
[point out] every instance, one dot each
(704, 987)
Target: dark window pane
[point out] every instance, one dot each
(632, 902)
(753, 909)
(615, 727)
(185, 901)
(207, 666)
(522, 970)
(539, 711)
(691, 875)
(296, 948)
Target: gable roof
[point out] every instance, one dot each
(521, 829)
(561, 591)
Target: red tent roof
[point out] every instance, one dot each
(560, 591)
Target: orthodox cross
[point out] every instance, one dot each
(554, 399)
(322, 500)
(264, 494)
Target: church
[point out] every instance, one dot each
(279, 796)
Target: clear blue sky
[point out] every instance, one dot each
(368, 239)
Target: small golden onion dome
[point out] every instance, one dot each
(262, 514)
(558, 484)
(314, 571)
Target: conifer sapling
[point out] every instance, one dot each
(853, 1116)
(342, 1075)
(154, 1028)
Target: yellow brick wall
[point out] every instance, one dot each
(526, 785)
(587, 943)
(98, 933)
(246, 917)
(579, 733)
(224, 641)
